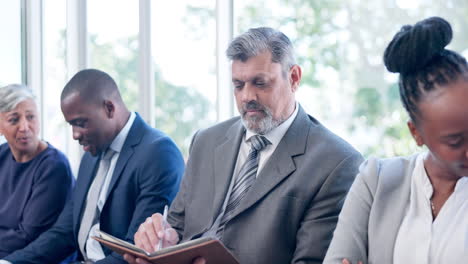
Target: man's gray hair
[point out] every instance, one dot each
(259, 40)
(13, 94)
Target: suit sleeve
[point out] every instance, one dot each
(350, 237)
(320, 218)
(51, 188)
(176, 217)
(159, 176)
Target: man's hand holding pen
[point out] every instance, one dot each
(155, 233)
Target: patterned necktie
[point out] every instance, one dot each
(245, 178)
(91, 209)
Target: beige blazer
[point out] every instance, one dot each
(373, 212)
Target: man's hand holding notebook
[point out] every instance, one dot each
(156, 242)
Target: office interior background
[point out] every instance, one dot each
(168, 59)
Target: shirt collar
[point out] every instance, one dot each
(275, 135)
(119, 140)
(423, 179)
(420, 176)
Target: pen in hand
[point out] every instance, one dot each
(164, 221)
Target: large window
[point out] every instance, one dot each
(55, 72)
(183, 37)
(113, 44)
(340, 46)
(10, 46)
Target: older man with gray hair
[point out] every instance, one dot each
(268, 184)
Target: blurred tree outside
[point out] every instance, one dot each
(180, 111)
(339, 46)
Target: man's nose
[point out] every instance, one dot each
(76, 133)
(249, 93)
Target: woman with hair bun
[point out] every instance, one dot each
(415, 209)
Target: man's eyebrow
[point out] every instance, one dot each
(257, 76)
(260, 77)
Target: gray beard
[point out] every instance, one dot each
(261, 125)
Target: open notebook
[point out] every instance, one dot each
(184, 253)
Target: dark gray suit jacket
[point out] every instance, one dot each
(290, 212)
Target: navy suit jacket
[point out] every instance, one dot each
(146, 177)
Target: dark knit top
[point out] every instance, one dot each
(32, 195)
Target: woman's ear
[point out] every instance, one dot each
(415, 133)
(1, 126)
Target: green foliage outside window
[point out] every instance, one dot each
(348, 38)
(179, 110)
(345, 38)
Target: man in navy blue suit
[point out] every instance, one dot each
(128, 172)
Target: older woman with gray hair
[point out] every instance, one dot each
(35, 178)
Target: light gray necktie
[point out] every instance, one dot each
(91, 213)
(245, 178)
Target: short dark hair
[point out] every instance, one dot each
(91, 84)
(418, 53)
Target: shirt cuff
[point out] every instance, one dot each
(4, 262)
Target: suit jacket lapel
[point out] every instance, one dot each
(124, 156)
(225, 157)
(398, 185)
(133, 138)
(280, 165)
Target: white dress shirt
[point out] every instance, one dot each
(421, 240)
(93, 248)
(274, 136)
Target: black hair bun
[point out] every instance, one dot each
(414, 46)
